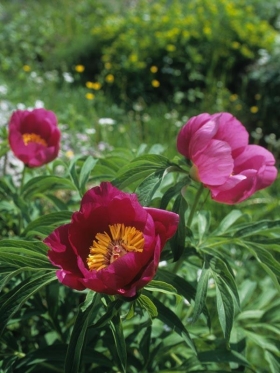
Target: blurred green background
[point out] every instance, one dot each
(147, 65)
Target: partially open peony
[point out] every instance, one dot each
(222, 160)
(112, 244)
(34, 136)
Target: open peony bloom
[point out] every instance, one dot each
(112, 245)
(222, 160)
(34, 136)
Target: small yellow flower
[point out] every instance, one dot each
(254, 109)
(258, 96)
(96, 86)
(89, 85)
(233, 97)
(170, 47)
(153, 69)
(110, 78)
(69, 154)
(89, 96)
(108, 65)
(80, 68)
(238, 107)
(26, 68)
(155, 83)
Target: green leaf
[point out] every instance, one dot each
(54, 218)
(168, 317)
(203, 220)
(12, 301)
(223, 270)
(161, 286)
(273, 362)
(117, 331)
(227, 222)
(78, 335)
(140, 168)
(225, 306)
(112, 310)
(259, 227)
(266, 260)
(146, 303)
(40, 184)
(177, 242)
(173, 191)
(201, 291)
(148, 187)
(87, 167)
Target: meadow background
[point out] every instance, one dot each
(123, 77)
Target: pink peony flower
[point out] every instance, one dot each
(112, 244)
(222, 160)
(34, 136)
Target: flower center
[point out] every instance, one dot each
(106, 248)
(32, 137)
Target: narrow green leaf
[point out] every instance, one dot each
(146, 303)
(78, 335)
(168, 317)
(222, 269)
(266, 260)
(36, 246)
(201, 291)
(19, 261)
(161, 286)
(225, 306)
(173, 191)
(72, 171)
(54, 218)
(148, 187)
(273, 362)
(112, 310)
(177, 242)
(87, 167)
(259, 227)
(40, 184)
(12, 301)
(117, 331)
(227, 222)
(140, 168)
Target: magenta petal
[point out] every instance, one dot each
(185, 136)
(215, 163)
(232, 131)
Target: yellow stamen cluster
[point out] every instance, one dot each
(106, 248)
(33, 137)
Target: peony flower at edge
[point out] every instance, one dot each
(222, 159)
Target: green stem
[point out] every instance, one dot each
(179, 262)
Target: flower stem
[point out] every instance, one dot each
(179, 262)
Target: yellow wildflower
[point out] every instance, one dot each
(155, 83)
(80, 68)
(26, 68)
(153, 69)
(110, 78)
(89, 85)
(254, 109)
(96, 86)
(89, 96)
